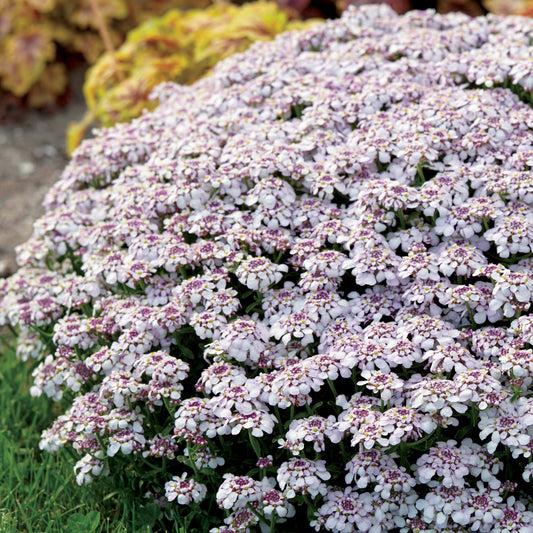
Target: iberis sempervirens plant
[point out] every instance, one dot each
(297, 295)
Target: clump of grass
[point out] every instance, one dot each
(38, 490)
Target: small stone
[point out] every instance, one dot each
(26, 167)
(49, 150)
(45, 150)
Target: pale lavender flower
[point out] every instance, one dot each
(257, 422)
(312, 429)
(303, 476)
(373, 266)
(485, 508)
(244, 340)
(450, 357)
(512, 235)
(435, 395)
(237, 491)
(502, 425)
(220, 375)
(442, 503)
(342, 511)
(258, 273)
(517, 362)
(300, 326)
(365, 466)
(194, 416)
(385, 384)
(515, 520)
(89, 467)
(419, 264)
(293, 385)
(125, 441)
(240, 520)
(461, 260)
(512, 292)
(274, 501)
(208, 324)
(74, 330)
(323, 209)
(329, 264)
(184, 490)
(392, 482)
(161, 447)
(445, 461)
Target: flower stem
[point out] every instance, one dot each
(191, 460)
(332, 387)
(309, 503)
(470, 314)
(401, 218)
(258, 514)
(273, 522)
(255, 444)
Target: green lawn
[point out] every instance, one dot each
(38, 490)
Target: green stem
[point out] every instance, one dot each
(420, 178)
(191, 460)
(403, 454)
(474, 415)
(278, 416)
(309, 503)
(291, 413)
(401, 218)
(169, 406)
(259, 515)
(222, 444)
(255, 444)
(102, 444)
(273, 517)
(471, 315)
(345, 456)
(332, 387)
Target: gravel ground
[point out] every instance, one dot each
(32, 156)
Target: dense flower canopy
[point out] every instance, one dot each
(303, 284)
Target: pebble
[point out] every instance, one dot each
(26, 167)
(46, 150)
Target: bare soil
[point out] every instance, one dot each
(32, 156)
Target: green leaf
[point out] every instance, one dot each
(147, 516)
(81, 523)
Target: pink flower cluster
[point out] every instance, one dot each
(306, 280)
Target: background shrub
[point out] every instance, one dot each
(39, 39)
(180, 47)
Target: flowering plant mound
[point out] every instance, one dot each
(298, 292)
